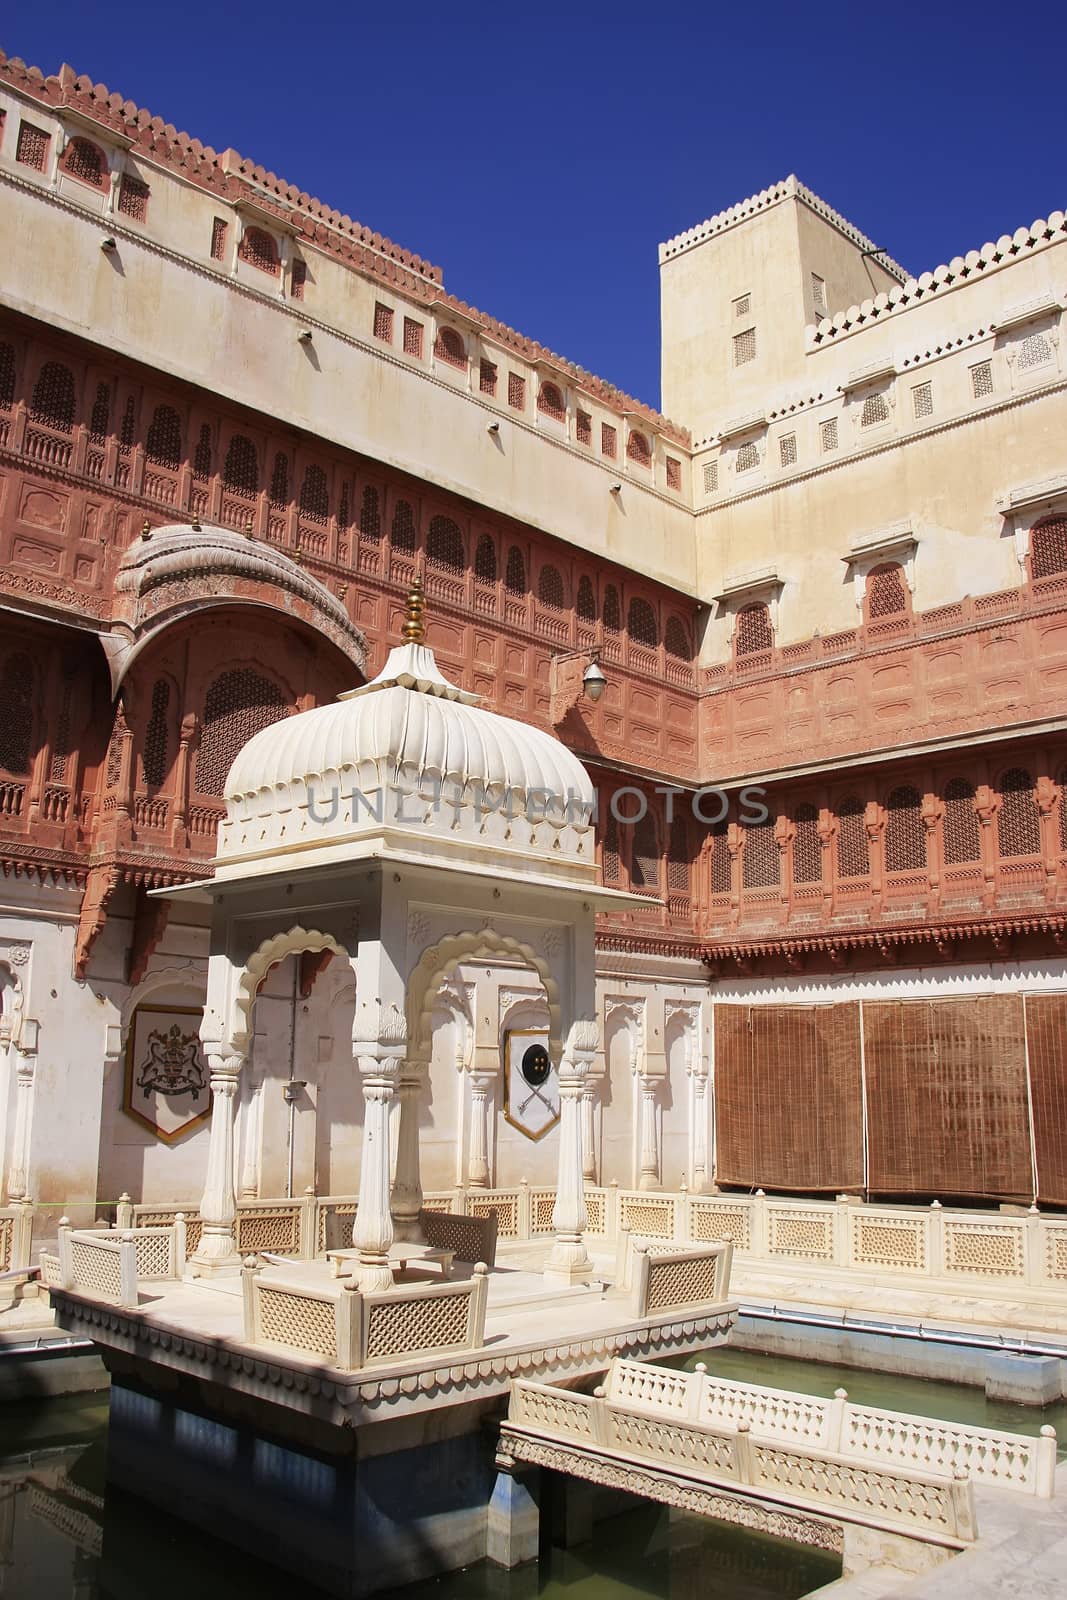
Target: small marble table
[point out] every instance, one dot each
(401, 1255)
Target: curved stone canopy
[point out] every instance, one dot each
(411, 761)
(178, 568)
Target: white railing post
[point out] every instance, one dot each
(937, 1240)
(835, 1421)
(525, 1210)
(128, 1271)
(1045, 1463)
(248, 1298)
(744, 1460)
(694, 1392)
(1033, 1254)
(180, 1242)
(759, 1225)
(22, 1242)
(348, 1326)
(308, 1215)
(961, 1492)
(124, 1211)
(611, 1209)
(66, 1268)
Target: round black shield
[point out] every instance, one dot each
(536, 1065)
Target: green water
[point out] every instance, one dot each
(62, 1532)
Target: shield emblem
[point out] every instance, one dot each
(167, 1082)
(531, 1090)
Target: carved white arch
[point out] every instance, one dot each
(514, 1002)
(629, 1014)
(293, 942)
(187, 977)
(442, 959)
(14, 1002)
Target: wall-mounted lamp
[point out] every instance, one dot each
(494, 427)
(108, 244)
(593, 681)
(291, 1090)
(305, 336)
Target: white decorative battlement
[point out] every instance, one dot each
(961, 269)
(788, 189)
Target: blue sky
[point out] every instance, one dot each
(539, 156)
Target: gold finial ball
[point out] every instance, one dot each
(250, 527)
(414, 631)
(146, 529)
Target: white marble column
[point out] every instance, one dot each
(569, 1260)
(253, 1123)
(406, 1199)
(373, 1231)
(217, 1250)
(18, 1176)
(700, 1130)
(649, 1175)
(588, 1132)
(478, 1156)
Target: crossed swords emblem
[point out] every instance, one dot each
(535, 1069)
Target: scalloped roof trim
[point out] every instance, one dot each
(232, 176)
(960, 269)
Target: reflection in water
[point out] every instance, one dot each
(59, 1538)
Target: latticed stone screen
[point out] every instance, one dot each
(1048, 548)
(875, 410)
(315, 495)
(238, 704)
(922, 400)
(516, 391)
(404, 534)
(85, 161)
(638, 449)
(32, 147)
(853, 850)
(681, 1283)
(53, 397)
(787, 449)
(744, 347)
(485, 560)
(1035, 351)
(1018, 820)
(297, 1320)
(383, 322)
(982, 379)
(905, 831)
(711, 477)
(154, 756)
(828, 434)
(809, 1137)
(241, 471)
(163, 442)
(550, 401)
(583, 428)
(753, 633)
(946, 1097)
(608, 439)
(449, 347)
(403, 1327)
(886, 593)
(413, 338)
(218, 239)
(16, 725)
(641, 623)
(807, 849)
(133, 197)
(760, 860)
(7, 377)
(586, 605)
(961, 831)
(515, 574)
(444, 545)
(259, 250)
(550, 588)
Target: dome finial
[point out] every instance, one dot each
(413, 628)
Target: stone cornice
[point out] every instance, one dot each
(943, 935)
(283, 1378)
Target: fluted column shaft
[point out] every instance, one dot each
(406, 1200)
(373, 1231)
(217, 1250)
(649, 1175)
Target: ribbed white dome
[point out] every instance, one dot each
(408, 753)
